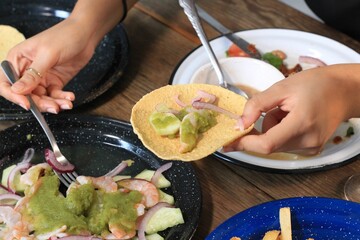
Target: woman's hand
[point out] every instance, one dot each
(57, 54)
(303, 111)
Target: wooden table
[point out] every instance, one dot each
(160, 36)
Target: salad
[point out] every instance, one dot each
(277, 59)
(112, 206)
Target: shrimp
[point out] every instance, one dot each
(104, 182)
(14, 228)
(119, 233)
(149, 191)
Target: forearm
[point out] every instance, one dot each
(347, 80)
(97, 17)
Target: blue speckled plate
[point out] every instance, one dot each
(312, 217)
(104, 69)
(96, 145)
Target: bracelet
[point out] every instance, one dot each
(124, 10)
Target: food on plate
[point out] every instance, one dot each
(277, 59)
(188, 122)
(9, 37)
(285, 232)
(112, 206)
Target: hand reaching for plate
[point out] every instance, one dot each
(303, 111)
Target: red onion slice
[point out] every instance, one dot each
(142, 224)
(311, 60)
(9, 196)
(179, 102)
(57, 166)
(23, 166)
(28, 155)
(209, 106)
(79, 237)
(211, 98)
(159, 171)
(5, 188)
(119, 168)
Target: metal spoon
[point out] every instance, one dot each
(192, 14)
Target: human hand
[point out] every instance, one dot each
(54, 59)
(303, 111)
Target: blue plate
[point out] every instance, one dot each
(312, 217)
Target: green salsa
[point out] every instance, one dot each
(85, 209)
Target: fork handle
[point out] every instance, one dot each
(192, 14)
(11, 75)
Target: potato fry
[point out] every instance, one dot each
(272, 235)
(285, 223)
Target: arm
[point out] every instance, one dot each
(58, 54)
(303, 111)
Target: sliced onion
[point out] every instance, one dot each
(311, 60)
(118, 169)
(159, 171)
(9, 196)
(5, 188)
(179, 102)
(142, 224)
(79, 237)
(57, 166)
(211, 98)
(161, 107)
(23, 166)
(28, 155)
(209, 106)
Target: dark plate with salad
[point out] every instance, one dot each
(96, 145)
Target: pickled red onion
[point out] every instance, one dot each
(159, 171)
(22, 166)
(311, 60)
(147, 217)
(55, 164)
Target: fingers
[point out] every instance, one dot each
(51, 105)
(261, 102)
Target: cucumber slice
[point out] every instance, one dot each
(17, 185)
(164, 218)
(147, 175)
(154, 236)
(164, 123)
(164, 197)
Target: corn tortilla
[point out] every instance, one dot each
(217, 136)
(9, 37)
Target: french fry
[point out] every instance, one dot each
(285, 223)
(272, 235)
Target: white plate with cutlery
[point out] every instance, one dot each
(294, 43)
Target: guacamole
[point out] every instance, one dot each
(85, 209)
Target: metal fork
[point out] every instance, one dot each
(65, 178)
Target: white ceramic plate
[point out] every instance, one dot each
(294, 43)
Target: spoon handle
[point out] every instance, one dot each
(12, 76)
(191, 12)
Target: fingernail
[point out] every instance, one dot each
(23, 106)
(52, 110)
(19, 86)
(65, 107)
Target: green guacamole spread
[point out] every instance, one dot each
(84, 210)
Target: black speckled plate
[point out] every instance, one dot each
(96, 145)
(104, 69)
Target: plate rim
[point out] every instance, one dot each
(289, 169)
